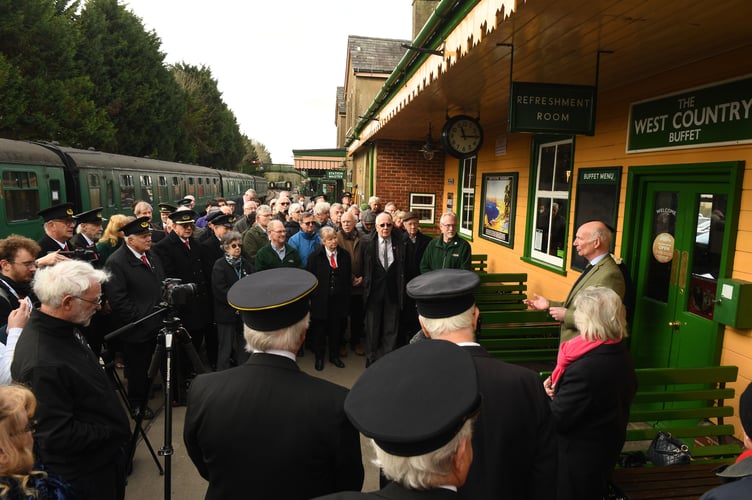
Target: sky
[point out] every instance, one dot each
(278, 63)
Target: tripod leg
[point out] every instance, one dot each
(138, 421)
(155, 361)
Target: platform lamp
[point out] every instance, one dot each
(429, 148)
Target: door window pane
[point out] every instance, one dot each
(662, 257)
(706, 257)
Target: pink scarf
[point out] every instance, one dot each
(573, 349)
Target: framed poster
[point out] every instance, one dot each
(499, 194)
(598, 191)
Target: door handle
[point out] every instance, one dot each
(675, 325)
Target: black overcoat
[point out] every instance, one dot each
(223, 277)
(133, 292)
(248, 427)
(334, 285)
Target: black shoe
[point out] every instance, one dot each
(319, 365)
(147, 414)
(337, 362)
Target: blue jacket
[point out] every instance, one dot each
(305, 244)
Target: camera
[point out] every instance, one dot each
(85, 254)
(177, 293)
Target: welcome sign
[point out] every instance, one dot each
(714, 115)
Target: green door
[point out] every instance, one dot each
(681, 254)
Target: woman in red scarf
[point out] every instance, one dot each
(591, 389)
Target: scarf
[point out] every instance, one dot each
(571, 350)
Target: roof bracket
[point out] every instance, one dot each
(423, 50)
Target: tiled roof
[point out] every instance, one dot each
(341, 109)
(374, 55)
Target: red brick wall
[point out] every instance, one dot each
(401, 170)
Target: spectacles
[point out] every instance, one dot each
(285, 203)
(67, 222)
(385, 224)
(280, 231)
(97, 302)
(449, 225)
(310, 222)
(234, 245)
(30, 264)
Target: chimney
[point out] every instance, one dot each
(422, 10)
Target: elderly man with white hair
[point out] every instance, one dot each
(82, 431)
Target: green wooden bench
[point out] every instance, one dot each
(509, 330)
(479, 263)
(691, 404)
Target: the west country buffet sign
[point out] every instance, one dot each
(714, 115)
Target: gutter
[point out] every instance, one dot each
(445, 18)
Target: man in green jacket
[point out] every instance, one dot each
(277, 253)
(448, 251)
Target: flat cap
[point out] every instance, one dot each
(273, 299)
(93, 215)
(443, 293)
(183, 217)
(369, 217)
(410, 216)
(415, 399)
(57, 212)
(137, 226)
(347, 194)
(167, 208)
(228, 220)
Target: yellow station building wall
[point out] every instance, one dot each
(608, 148)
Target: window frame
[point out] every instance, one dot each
(466, 190)
(420, 208)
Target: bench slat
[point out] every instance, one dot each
(681, 432)
(690, 395)
(518, 343)
(680, 413)
(669, 376)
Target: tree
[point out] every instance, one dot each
(45, 94)
(132, 84)
(211, 127)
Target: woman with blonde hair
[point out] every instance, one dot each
(19, 479)
(591, 390)
(112, 238)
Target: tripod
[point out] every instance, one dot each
(171, 330)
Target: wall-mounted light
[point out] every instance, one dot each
(429, 148)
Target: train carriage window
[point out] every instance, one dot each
(95, 191)
(110, 186)
(177, 188)
(191, 186)
(127, 191)
(163, 190)
(147, 192)
(201, 193)
(21, 193)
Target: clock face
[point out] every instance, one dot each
(462, 136)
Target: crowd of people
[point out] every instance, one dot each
(266, 282)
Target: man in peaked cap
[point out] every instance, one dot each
(249, 427)
(133, 292)
(165, 209)
(738, 476)
(89, 230)
(58, 228)
(418, 406)
(180, 254)
(514, 441)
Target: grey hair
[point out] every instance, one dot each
(321, 207)
(229, 237)
(284, 339)
(599, 314)
(71, 277)
(436, 327)
(295, 207)
(421, 472)
(327, 232)
(263, 209)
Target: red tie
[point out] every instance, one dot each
(332, 262)
(145, 261)
(187, 245)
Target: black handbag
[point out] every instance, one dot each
(667, 450)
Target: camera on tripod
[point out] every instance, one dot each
(85, 254)
(177, 293)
